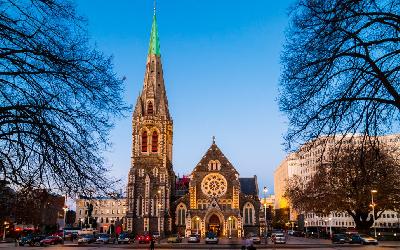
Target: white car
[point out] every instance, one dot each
(211, 239)
(278, 238)
(194, 238)
(255, 239)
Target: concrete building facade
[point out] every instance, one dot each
(304, 162)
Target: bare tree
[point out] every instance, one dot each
(58, 99)
(341, 65)
(345, 181)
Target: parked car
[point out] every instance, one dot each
(144, 238)
(278, 238)
(194, 238)
(339, 239)
(156, 235)
(86, 239)
(211, 238)
(175, 238)
(105, 239)
(124, 238)
(51, 240)
(255, 238)
(35, 241)
(363, 239)
(25, 240)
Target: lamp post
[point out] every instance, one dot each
(65, 208)
(197, 223)
(373, 191)
(306, 222)
(230, 227)
(4, 233)
(265, 191)
(159, 218)
(330, 227)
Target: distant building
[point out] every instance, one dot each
(107, 213)
(38, 209)
(303, 163)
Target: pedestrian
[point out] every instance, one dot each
(152, 244)
(249, 244)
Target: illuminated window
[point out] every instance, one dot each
(144, 141)
(154, 142)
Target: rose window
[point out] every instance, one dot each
(214, 185)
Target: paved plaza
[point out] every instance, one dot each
(293, 243)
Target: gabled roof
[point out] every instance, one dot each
(214, 153)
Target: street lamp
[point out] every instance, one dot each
(306, 222)
(65, 208)
(265, 191)
(4, 233)
(230, 227)
(159, 218)
(197, 223)
(373, 191)
(330, 227)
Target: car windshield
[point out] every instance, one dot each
(279, 235)
(102, 235)
(210, 235)
(193, 235)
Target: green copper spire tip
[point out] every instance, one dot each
(154, 47)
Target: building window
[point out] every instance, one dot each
(139, 209)
(181, 215)
(150, 108)
(144, 141)
(154, 142)
(248, 214)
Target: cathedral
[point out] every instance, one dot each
(215, 197)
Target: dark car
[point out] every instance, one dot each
(144, 238)
(35, 240)
(51, 240)
(363, 239)
(125, 238)
(339, 239)
(105, 239)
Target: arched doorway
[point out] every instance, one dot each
(214, 225)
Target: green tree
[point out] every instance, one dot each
(58, 99)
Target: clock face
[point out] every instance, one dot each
(214, 185)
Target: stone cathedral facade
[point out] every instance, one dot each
(216, 199)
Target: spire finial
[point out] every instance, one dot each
(213, 138)
(154, 7)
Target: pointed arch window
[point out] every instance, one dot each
(150, 108)
(154, 142)
(144, 141)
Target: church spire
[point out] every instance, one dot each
(154, 46)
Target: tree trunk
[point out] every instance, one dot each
(363, 223)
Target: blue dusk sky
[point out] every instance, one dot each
(221, 62)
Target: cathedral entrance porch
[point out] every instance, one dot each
(214, 222)
(214, 225)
